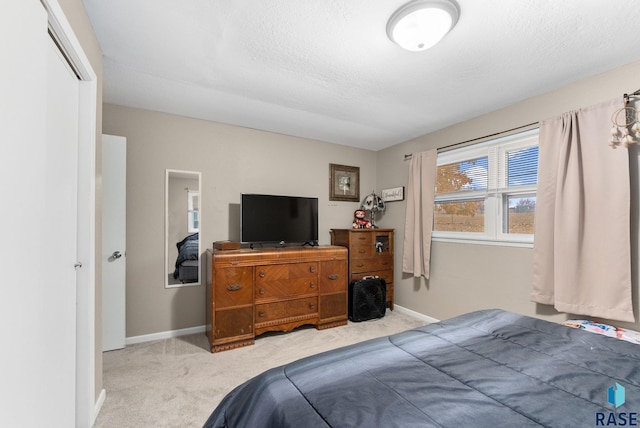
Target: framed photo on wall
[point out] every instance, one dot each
(344, 183)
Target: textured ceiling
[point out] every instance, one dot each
(326, 70)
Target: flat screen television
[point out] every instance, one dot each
(278, 219)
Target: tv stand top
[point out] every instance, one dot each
(278, 254)
(282, 244)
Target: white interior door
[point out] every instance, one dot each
(114, 187)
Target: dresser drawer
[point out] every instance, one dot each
(286, 280)
(233, 286)
(286, 309)
(361, 251)
(286, 272)
(361, 238)
(371, 264)
(286, 288)
(361, 245)
(333, 276)
(333, 305)
(233, 322)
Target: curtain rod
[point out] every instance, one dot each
(633, 94)
(451, 146)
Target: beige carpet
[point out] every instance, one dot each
(177, 382)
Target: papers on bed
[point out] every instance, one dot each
(605, 330)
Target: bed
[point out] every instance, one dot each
(186, 266)
(488, 368)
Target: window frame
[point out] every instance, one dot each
(496, 195)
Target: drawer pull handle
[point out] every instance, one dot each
(261, 314)
(312, 285)
(312, 305)
(262, 291)
(312, 269)
(234, 287)
(360, 264)
(262, 274)
(362, 251)
(362, 238)
(333, 277)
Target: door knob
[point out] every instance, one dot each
(116, 255)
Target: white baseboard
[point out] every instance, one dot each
(165, 335)
(202, 328)
(98, 405)
(415, 314)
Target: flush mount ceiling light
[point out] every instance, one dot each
(420, 24)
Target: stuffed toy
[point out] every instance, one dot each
(359, 221)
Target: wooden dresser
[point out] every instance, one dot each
(255, 291)
(370, 254)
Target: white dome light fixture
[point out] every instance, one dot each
(420, 24)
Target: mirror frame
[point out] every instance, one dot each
(176, 173)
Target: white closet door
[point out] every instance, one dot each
(22, 111)
(38, 176)
(58, 336)
(48, 378)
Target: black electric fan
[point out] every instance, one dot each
(367, 299)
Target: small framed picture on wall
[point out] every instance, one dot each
(344, 183)
(393, 194)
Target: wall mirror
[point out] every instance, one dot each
(183, 217)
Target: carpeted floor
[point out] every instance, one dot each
(177, 382)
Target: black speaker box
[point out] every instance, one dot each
(367, 299)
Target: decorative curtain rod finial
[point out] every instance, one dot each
(634, 94)
(625, 132)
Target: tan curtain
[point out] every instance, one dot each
(582, 249)
(419, 218)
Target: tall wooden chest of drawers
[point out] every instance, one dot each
(370, 254)
(254, 291)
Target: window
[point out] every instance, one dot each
(487, 192)
(193, 211)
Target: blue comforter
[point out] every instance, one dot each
(187, 250)
(484, 369)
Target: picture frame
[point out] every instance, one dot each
(344, 183)
(392, 194)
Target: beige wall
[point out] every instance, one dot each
(232, 160)
(469, 277)
(77, 17)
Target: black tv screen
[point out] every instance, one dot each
(281, 219)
